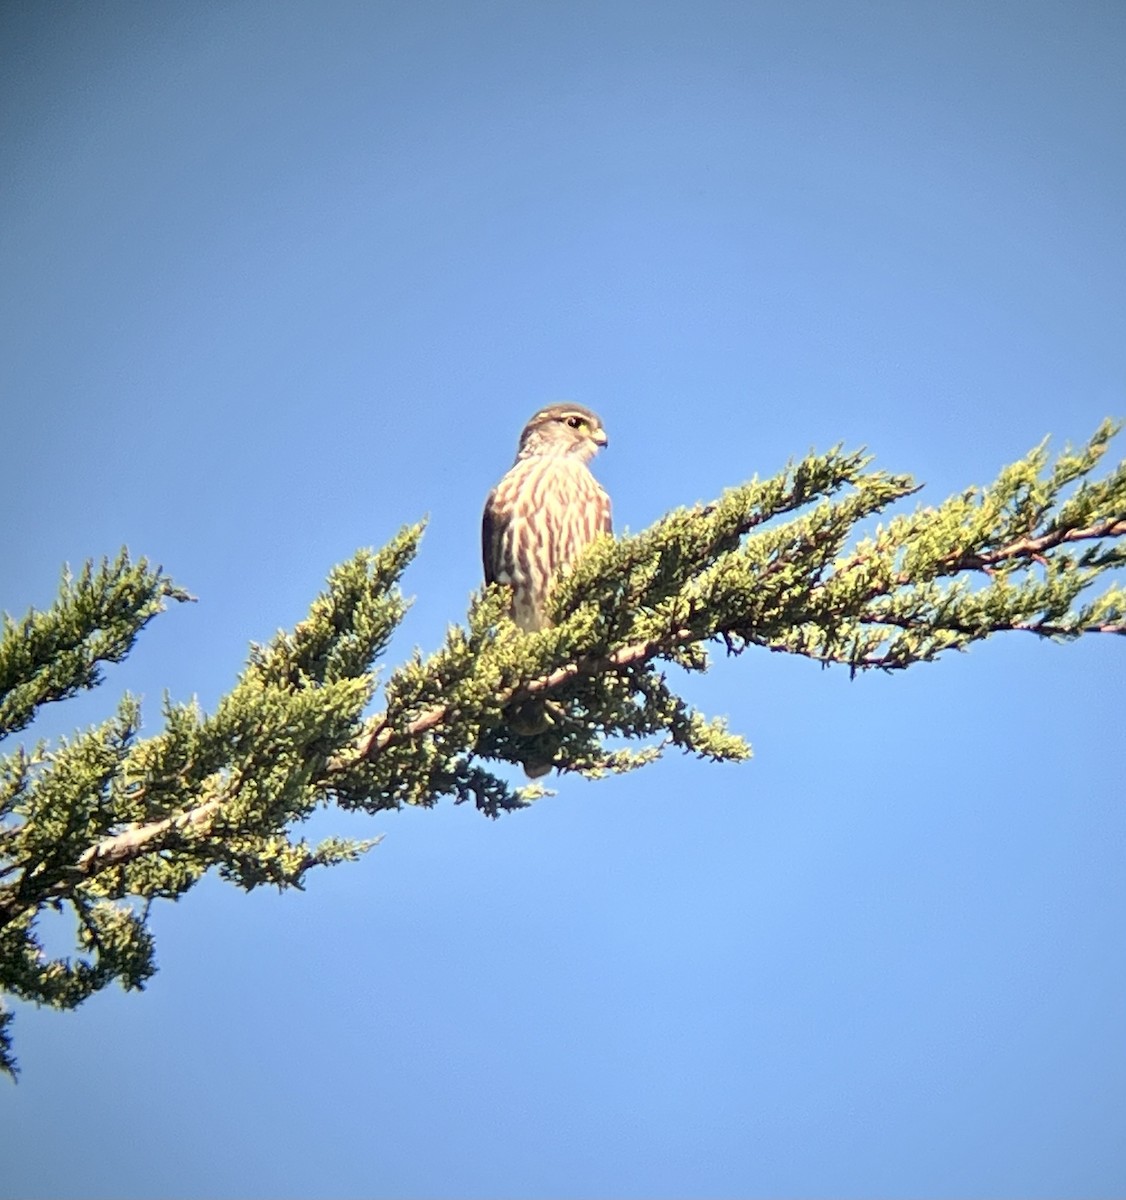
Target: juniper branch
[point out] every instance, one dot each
(109, 818)
(48, 656)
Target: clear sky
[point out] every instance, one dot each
(278, 276)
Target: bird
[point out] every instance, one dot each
(542, 514)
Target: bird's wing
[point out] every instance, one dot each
(490, 534)
(604, 524)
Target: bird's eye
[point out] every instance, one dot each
(576, 422)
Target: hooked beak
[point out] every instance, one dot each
(599, 438)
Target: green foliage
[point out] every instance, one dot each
(102, 824)
(51, 655)
(106, 822)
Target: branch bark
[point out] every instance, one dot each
(1034, 548)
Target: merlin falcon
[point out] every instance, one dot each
(543, 513)
(546, 509)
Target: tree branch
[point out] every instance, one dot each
(783, 567)
(115, 851)
(1034, 548)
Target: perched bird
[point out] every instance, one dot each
(544, 512)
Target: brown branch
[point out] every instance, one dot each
(1034, 548)
(1026, 547)
(383, 734)
(112, 851)
(891, 662)
(1041, 627)
(138, 840)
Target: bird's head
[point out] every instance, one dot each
(562, 429)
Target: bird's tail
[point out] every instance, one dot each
(529, 719)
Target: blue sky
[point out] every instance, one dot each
(277, 278)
